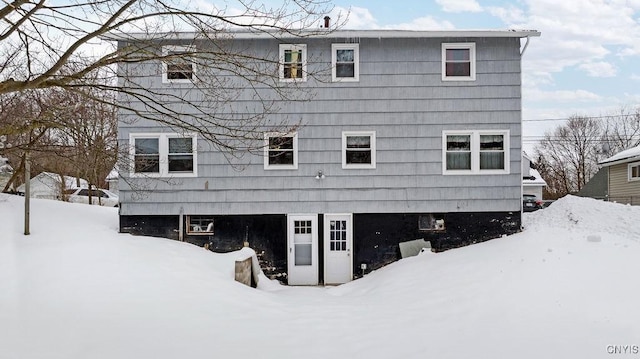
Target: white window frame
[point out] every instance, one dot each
(372, 135)
(165, 71)
(356, 62)
(203, 231)
(472, 58)
(630, 167)
(163, 150)
(475, 152)
(292, 47)
(267, 165)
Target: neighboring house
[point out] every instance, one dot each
(112, 181)
(598, 185)
(624, 176)
(49, 185)
(6, 171)
(532, 182)
(415, 134)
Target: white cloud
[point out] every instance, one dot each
(361, 18)
(508, 15)
(635, 77)
(356, 18)
(424, 23)
(577, 33)
(536, 78)
(599, 69)
(566, 96)
(459, 5)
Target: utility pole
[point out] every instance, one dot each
(27, 191)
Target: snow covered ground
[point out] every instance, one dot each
(566, 287)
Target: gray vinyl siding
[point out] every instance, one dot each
(400, 96)
(619, 184)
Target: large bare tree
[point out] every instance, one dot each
(47, 44)
(64, 132)
(568, 156)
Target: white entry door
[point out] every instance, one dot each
(302, 240)
(338, 247)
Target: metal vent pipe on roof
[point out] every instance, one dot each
(327, 20)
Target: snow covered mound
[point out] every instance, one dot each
(588, 215)
(76, 289)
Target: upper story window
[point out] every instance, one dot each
(475, 152)
(281, 151)
(293, 62)
(177, 66)
(458, 62)
(359, 149)
(163, 155)
(634, 171)
(345, 60)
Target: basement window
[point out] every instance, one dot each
(200, 225)
(431, 222)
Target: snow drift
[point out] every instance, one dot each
(564, 287)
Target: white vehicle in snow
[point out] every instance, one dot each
(98, 196)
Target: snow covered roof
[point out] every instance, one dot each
(537, 181)
(5, 167)
(625, 156)
(113, 175)
(69, 182)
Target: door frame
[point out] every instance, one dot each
(311, 276)
(326, 242)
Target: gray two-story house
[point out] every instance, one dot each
(406, 135)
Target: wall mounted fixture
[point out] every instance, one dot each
(320, 175)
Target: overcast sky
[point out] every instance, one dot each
(585, 62)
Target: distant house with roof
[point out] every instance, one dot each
(112, 180)
(598, 185)
(532, 181)
(624, 176)
(48, 185)
(6, 171)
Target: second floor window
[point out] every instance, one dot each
(345, 62)
(293, 62)
(458, 62)
(177, 65)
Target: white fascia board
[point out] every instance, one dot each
(322, 34)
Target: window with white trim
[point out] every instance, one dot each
(458, 62)
(200, 225)
(177, 66)
(345, 60)
(281, 151)
(634, 171)
(359, 149)
(475, 152)
(293, 62)
(163, 154)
